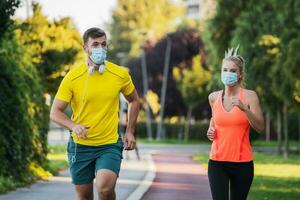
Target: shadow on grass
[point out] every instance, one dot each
(269, 188)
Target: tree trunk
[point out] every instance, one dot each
(279, 137)
(164, 88)
(145, 90)
(299, 133)
(285, 131)
(187, 124)
(268, 129)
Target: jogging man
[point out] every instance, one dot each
(93, 90)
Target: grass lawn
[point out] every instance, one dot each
(57, 159)
(274, 177)
(272, 143)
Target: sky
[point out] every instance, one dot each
(85, 13)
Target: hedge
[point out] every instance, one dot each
(24, 115)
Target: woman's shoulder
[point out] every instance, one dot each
(213, 96)
(250, 94)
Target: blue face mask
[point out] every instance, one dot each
(98, 55)
(229, 78)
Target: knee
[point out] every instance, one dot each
(105, 191)
(86, 196)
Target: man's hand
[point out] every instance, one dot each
(129, 141)
(80, 131)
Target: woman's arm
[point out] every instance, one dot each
(252, 109)
(254, 113)
(211, 130)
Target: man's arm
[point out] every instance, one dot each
(133, 111)
(58, 116)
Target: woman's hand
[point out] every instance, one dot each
(211, 133)
(235, 101)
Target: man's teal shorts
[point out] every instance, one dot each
(89, 159)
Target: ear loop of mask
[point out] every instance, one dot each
(73, 158)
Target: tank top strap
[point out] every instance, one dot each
(241, 95)
(219, 98)
(217, 103)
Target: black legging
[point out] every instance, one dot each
(238, 175)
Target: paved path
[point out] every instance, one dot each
(173, 172)
(130, 182)
(178, 177)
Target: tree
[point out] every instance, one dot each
(153, 100)
(7, 9)
(268, 32)
(136, 21)
(271, 71)
(218, 35)
(192, 84)
(53, 46)
(24, 114)
(185, 45)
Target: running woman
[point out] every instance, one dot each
(234, 110)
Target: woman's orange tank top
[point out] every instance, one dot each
(231, 142)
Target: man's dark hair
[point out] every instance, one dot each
(93, 33)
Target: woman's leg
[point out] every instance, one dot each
(241, 180)
(218, 180)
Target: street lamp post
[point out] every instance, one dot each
(164, 88)
(145, 90)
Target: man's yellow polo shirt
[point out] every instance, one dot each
(94, 100)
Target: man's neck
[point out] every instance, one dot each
(91, 63)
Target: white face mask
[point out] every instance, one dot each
(98, 55)
(229, 78)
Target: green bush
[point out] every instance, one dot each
(24, 115)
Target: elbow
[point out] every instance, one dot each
(261, 129)
(138, 104)
(262, 126)
(52, 116)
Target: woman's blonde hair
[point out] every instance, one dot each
(238, 60)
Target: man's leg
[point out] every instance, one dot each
(105, 183)
(82, 169)
(107, 170)
(84, 191)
